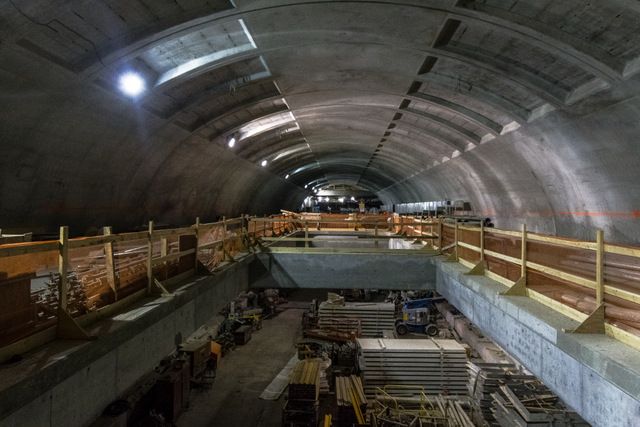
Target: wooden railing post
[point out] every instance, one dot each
(149, 257)
(599, 267)
(224, 238)
(519, 288)
(455, 239)
(110, 264)
(595, 322)
(440, 229)
(523, 252)
(482, 241)
(306, 234)
(63, 266)
(197, 230)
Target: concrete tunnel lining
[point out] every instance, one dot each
(72, 144)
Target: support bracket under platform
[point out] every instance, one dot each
(594, 324)
(478, 269)
(69, 329)
(518, 289)
(163, 291)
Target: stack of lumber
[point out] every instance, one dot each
(485, 379)
(531, 404)
(304, 382)
(350, 398)
(302, 406)
(413, 367)
(373, 318)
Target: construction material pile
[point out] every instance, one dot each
(502, 395)
(304, 382)
(304, 389)
(365, 319)
(531, 404)
(428, 366)
(432, 411)
(352, 403)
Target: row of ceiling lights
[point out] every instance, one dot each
(132, 84)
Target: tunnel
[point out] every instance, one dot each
(121, 112)
(528, 110)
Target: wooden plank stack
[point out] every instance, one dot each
(374, 318)
(485, 379)
(304, 382)
(532, 404)
(413, 367)
(349, 390)
(502, 395)
(302, 405)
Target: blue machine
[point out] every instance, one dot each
(419, 315)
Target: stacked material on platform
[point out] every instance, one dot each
(302, 406)
(495, 390)
(413, 367)
(531, 404)
(438, 410)
(373, 318)
(486, 378)
(351, 399)
(304, 382)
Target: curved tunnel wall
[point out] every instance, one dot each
(565, 174)
(527, 110)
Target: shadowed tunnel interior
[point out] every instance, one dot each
(527, 109)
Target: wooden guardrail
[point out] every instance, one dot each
(595, 283)
(52, 288)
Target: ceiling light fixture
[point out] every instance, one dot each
(263, 163)
(286, 177)
(131, 84)
(232, 141)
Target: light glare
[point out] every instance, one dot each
(232, 142)
(132, 84)
(264, 163)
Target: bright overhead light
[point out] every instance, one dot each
(353, 199)
(231, 142)
(315, 191)
(263, 163)
(131, 84)
(306, 185)
(341, 199)
(286, 177)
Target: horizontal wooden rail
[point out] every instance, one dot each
(170, 257)
(14, 249)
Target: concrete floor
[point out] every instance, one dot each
(242, 376)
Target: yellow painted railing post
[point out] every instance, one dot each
(109, 263)
(375, 233)
(523, 252)
(224, 237)
(63, 268)
(440, 228)
(197, 230)
(519, 288)
(306, 234)
(599, 267)
(149, 257)
(482, 241)
(455, 239)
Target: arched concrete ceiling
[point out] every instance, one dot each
(528, 109)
